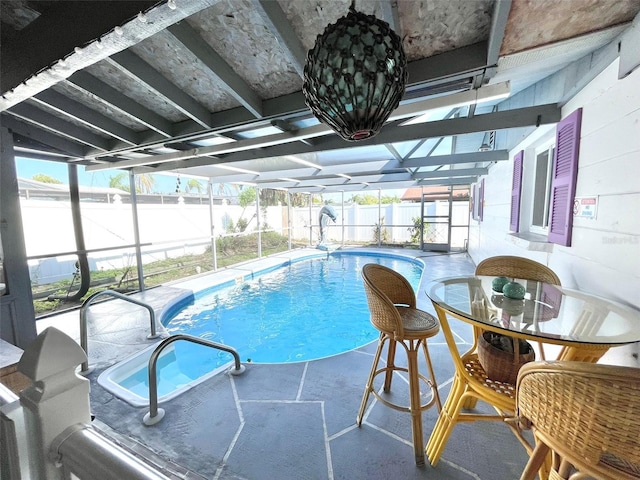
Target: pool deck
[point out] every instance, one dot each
(286, 421)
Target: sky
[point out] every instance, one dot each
(27, 168)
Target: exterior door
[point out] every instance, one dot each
(436, 221)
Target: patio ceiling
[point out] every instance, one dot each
(212, 88)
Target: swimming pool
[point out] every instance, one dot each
(304, 310)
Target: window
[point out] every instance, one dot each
(554, 176)
(542, 169)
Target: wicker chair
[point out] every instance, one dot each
(392, 305)
(517, 267)
(586, 414)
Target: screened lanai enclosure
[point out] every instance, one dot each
(133, 241)
(213, 94)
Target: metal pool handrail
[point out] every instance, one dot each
(83, 321)
(156, 414)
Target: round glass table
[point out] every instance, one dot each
(584, 325)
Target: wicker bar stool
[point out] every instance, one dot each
(392, 305)
(586, 414)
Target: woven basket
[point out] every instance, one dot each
(499, 365)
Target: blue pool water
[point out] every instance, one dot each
(307, 310)
(171, 376)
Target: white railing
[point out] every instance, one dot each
(155, 414)
(85, 453)
(84, 343)
(47, 432)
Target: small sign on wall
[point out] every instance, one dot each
(585, 207)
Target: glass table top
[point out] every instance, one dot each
(547, 311)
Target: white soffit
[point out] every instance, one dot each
(538, 63)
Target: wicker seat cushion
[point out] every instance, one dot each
(624, 466)
(414, 321)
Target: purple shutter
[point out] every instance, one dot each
(565, 175)
(481, 200)
(474, 201)
(516, 186)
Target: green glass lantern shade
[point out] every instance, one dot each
(355, 75)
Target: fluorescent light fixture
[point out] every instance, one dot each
(259, 132)
(284, 179)
(343, 176)
(208, 142)
(40, 152)
(163, 150)
(471, 97)
(301, 161)
(431, 115)
(236, 169)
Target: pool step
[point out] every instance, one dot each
(170, 378)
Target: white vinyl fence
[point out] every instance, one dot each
(169, 231)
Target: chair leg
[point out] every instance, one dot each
(471, 402)
(369, 386)
(565, 468)
(432, 375)
(541, 350)
(415, 404)
(535, 461)
(446, 421)
(391, 356)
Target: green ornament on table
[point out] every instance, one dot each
(514, 290)
(498, 283)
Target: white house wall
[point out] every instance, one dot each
(605, 253)
(604, 257)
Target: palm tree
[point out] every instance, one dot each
(194, 184)
(225, 189)
(145, 182)
(117, 181)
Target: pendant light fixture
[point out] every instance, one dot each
(355, 75)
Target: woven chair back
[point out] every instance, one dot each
(587, 413)
(517, 267)
(386, 288)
